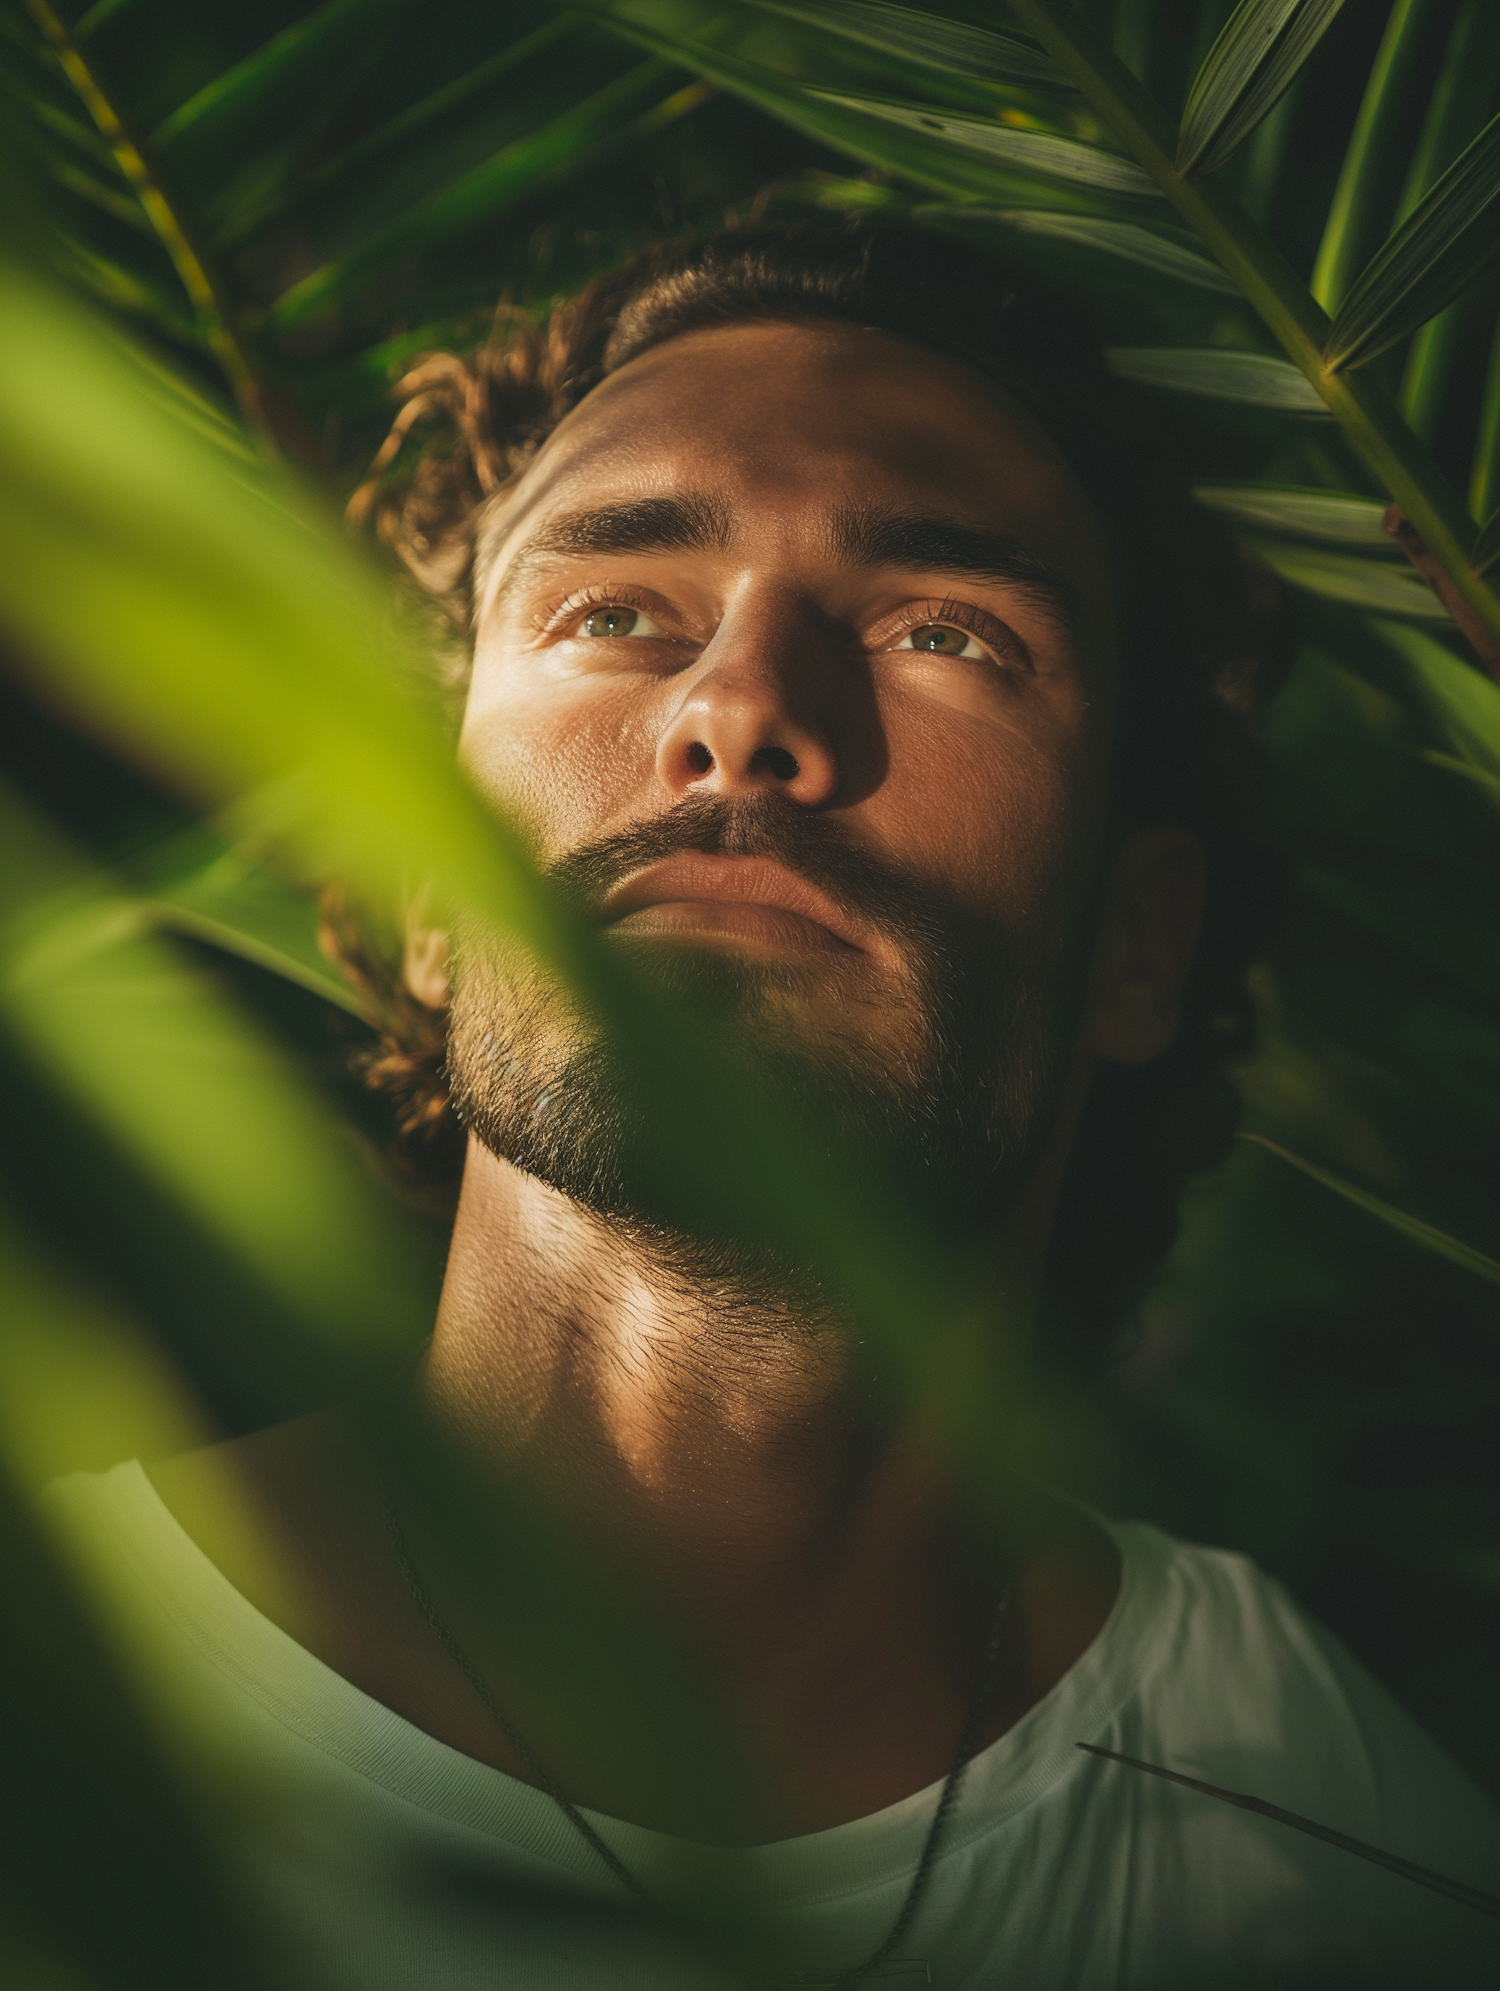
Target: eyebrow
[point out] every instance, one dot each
(858, 536)
(682, 522)
(925, 542)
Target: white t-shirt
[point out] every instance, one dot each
(390, 1862)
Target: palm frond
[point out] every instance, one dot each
(1355, 210)
(1243, 76)
(1129, 241)
(1034, 153)
(1334, 518)
(1373, 585)
(1435, 255)
(1461, 100)
(1046, 136)
(981, 54)
(1221, 373)
(635, 104)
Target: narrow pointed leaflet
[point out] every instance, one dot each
(1264, 44)
(1432, 258)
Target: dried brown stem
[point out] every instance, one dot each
(1482, 640)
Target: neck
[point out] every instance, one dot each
(738, 1482)
(722, 1442)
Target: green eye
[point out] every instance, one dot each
(939, 637)
(610, 622)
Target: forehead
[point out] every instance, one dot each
(786, 422)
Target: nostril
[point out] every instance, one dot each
(780, 763)
(699, 759)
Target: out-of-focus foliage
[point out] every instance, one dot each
(1280, 214)
(128, 517)
(308, 739)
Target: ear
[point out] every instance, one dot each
(424, 963)
(1148, 929)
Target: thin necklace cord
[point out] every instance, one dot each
(818, 1980)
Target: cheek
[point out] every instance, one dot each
(1003, 811)
(568, 760)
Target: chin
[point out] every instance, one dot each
(944, 1111)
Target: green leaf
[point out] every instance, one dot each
(922, 156)
(1376, 585)
(1461, 708)
(83, 1756)
(123, 206)
(80, 1386)
(97, 15)
(1125, 239)
(1264, 44)
(236, 904)
(1427, 1235)
(82, 137)
(1433, 257)
(1484, 471)
(1399, 463)
(1457, 110)
(605, 121)
(1460, 103)
(1220, 373)
(129, 290)
(1035, 152)
(982, 54)
(1487, 545)
(293, 58)
(1361, 200)
(401, 130)
(1412, 904)
(1487, 784)
(207, 1107)
(1332, 518)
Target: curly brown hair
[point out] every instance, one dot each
(1200, 642)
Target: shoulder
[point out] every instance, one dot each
(1225, 1639)
(1243, 1688)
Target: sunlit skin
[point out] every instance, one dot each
(882, 593)
(772, 643)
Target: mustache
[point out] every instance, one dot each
(767, 825)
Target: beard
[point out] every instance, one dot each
(945, 1072)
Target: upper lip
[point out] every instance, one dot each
(758, 881)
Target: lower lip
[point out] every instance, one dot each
(737, 923)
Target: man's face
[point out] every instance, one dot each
(794, 651)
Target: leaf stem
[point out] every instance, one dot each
(1456, 1890)
(1417, 1229)
(1398, 460)
(205, 294)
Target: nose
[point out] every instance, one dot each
(749, 720)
